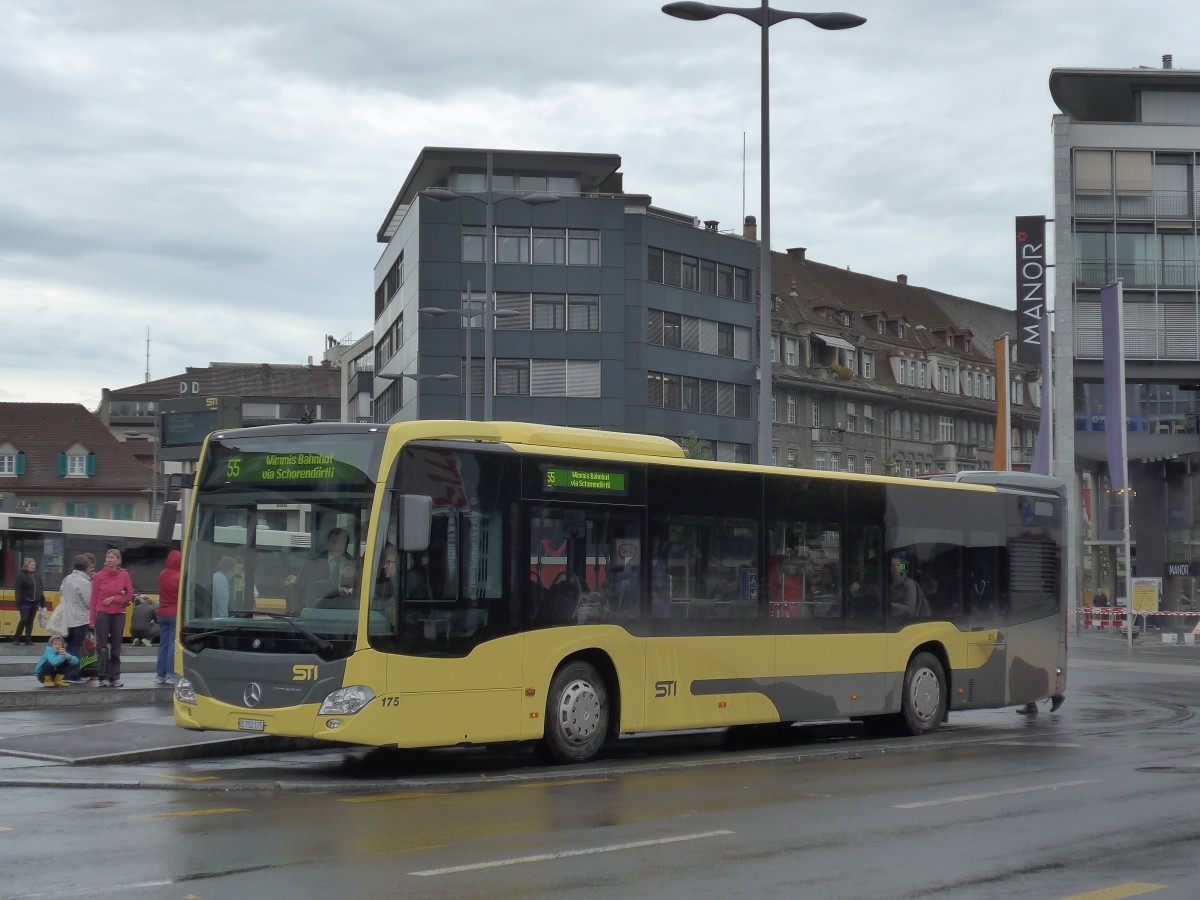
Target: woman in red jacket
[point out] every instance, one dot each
(168, 606)
(112, 591)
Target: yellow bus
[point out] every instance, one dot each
(482, 583)
(53, 542)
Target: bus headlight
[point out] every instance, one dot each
(184, 692)
(345, 702)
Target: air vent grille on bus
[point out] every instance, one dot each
(1033, 567)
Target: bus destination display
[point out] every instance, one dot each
(287, 468)
(585, 480)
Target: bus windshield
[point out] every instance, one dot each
(277, 542)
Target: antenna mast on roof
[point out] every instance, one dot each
(147, 353)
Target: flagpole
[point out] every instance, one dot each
(1112, 314)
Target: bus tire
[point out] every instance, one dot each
(923, 704)
(577, 712)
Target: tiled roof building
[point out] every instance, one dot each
(59, 459)
(877, 375)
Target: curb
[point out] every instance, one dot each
(84, 695)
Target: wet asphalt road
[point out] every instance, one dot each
(1100, 796)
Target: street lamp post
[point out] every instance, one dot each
(467, 316)
(764, 17)
(489, 261)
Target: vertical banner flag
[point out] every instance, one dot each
(1031, 287)
(1114, 384)
(1000, 461)
(1041, 448)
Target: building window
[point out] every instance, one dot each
(923, 375)
(8, 464)
(725, 339)
(583, 247)
(549, 246)
(820, 461)
(689, 271)
(512, 245)
(835, 461)
(868, 465)
(945, 428)
(815, 412)
(549, 312)
(851, 416)
(774, 410)
(583, 312)
(791, 348)
(82, 510)
(868, 365)
(792, 456)
(690, 389)
(122, 511)
(472, 245)
(654, 390)
(672, 330)
(77, 464)
(791, 409)
(851, 464)
(946, 373)
(512, 377)
(868, 419)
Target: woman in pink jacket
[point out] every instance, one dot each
(112, 591)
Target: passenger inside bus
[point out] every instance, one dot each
(905, 595)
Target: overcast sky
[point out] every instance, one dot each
(213, 174)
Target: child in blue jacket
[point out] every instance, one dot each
(52, 667)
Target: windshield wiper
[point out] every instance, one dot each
(319, 642)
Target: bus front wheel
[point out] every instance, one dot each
(576, 714)
(923, 706)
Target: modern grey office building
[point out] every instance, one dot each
(1126, 148)
(609, 312)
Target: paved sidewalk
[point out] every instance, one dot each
(19, 689)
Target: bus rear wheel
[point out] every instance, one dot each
(577, 711)
(923, 705)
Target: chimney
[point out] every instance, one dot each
(903, 279)
(711, 224)
(1167, 61)
(750, 228)
(797, 252)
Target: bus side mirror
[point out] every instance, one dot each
(414, 513)
(166, 522)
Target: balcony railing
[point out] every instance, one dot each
(1137, 205)
(1171, 274)
(828, 435)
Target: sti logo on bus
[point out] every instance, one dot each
(304, 673)
(664, 689)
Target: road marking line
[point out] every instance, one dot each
(188, 777)
(6, 828)
(567, 854)
(993, 794)
(543, 784)
(381, 798)
(1033, 744)
(1119, 891)
(193, 812)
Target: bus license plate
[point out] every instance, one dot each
(251, 725)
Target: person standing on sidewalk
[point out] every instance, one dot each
(168, 606)
(30, 598)
(75, 595)
(112, 592)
